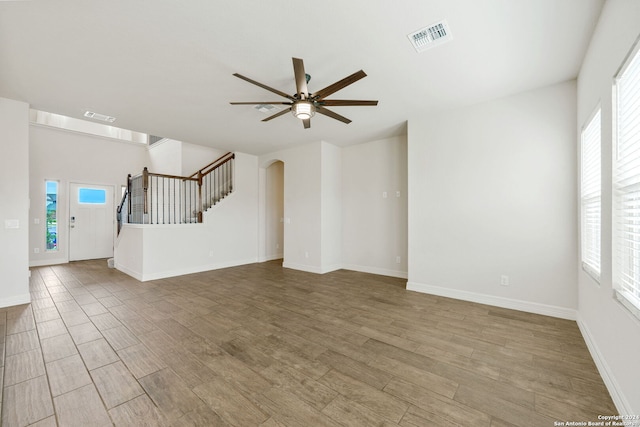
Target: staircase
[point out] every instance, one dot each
(153, 198)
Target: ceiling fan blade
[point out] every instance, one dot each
(301, 78)
(261, 103)
(339, 85)
(270, 89)
(306, 123)
(331, 114)
(278, 114)
(345, 103)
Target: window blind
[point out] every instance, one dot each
(627, 183)
(590, 194)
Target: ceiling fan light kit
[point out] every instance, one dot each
(303, 104)
(303, 110)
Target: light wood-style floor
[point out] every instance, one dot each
(262, 345)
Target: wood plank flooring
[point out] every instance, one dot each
(259, 345)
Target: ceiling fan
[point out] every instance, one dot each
(304, 104)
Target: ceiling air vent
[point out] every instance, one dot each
(431, 36)
(98, 116)
(266, 108)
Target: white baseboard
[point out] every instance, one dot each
(330, 268)
(196, 269)
(334, 267)
(530, 307)
(622, 404)
(376, 270)
(271, 258)
(302, 267)
(15, 300)
(45, 262)
(135, 274)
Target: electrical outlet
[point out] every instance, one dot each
(211, 253)
(306, 254)
(398, 260)
(384, 194)
(504, 280)
(277, 245)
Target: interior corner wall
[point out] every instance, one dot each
(195, 157)
(165, 157)
(610, 330)
(374, 207)
(65, 156)
(302, 205)
(492, 193)
(14, 209)
(331, 207)
(274, 208)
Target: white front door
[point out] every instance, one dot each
(90, 221)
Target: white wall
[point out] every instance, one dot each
(492, 192)
(195, 157)
(332, 212)
(612, 333)
(14, 205)
(228, 235)
(172, 157)
(374, 228)
(302, 207)
(274, 203)
(165, 156)
(331, 207)
(65, 156)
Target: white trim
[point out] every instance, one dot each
(375, 270)
(191, 270)
(530, 307)
(628, 301)
(45, 262)
(135, 274)
(271, 257)
(331, 268)
(15, 300)
(302, 267)
(622, 404)
(351, 267)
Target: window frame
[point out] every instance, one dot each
(629, 298)
(587, 253)
(46, 216)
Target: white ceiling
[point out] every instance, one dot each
(165, 66)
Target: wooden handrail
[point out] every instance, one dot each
(162, 175)
(213, 164)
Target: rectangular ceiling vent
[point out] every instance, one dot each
(431, 36)
(98, 116)
(266, 108)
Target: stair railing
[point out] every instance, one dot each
(124, 202)
(154, 198)
(217, 180)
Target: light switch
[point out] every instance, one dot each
(11, 223)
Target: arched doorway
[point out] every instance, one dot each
(274, 211)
